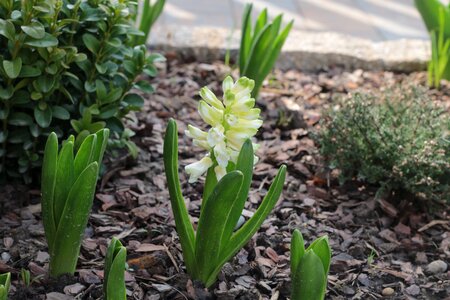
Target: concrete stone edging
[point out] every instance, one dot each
(308, 51)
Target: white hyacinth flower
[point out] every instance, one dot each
(233, 120)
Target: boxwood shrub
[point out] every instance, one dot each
(66, 66)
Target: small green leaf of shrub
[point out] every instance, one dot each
(68, 186)
(397, 140)
(115, 264)
(309, 268)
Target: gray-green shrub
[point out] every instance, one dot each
(398, 140)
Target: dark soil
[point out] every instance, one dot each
(381, 248)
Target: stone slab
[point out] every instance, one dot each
(303, 50)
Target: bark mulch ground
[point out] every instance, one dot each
(384, 248)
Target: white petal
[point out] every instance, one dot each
(195, 133)
(209, 114)
(227, 84)
(210, 98)
(215, 136)
(221, 154)
(243, 86)
(220, 172)
(197, 169)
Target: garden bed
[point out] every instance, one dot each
(379, 250)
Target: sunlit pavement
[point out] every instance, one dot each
(376, 20)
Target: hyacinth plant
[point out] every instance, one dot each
(115, 265)
(5, 284)
(309, 268)
(68, 187)
(260, 45)
(229, 168)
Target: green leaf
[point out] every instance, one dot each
(309, 281)
(43, 117)
(323, 251)
(60, 112)
(297, 250)
(134, 100)
(49, 169)
(64, 180)
(7, 29)
(20, 119)
(246, 37)
(35, 30)
(115, 262)
(5, 284)
(12, 68)
(47, 41)
(91, 43)
(241, 237)
(211, 230)
(183, 224)
(85, 154)
(67, 240)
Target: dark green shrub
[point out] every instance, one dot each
(65, 66)
(399, 141)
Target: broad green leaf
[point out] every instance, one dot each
(183, 224)
(241, 237)
(309, 281)
(259, 46)
(76, 212)
(5, 284)
(47, 41)
(323, 251)
(12, 68)
(35, 30)
(85, 154)
(64, 180)
(115, 263)
(210, 183)
(297, 250)
(49, 169)
(246, 37)
(100, 145)
(212, 223)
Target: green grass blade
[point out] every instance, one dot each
(246, 37)
(211, 225)
(297, 250)
(183, 224)
(74, 219)
(309, 280)
(64, 180)
(49, 167)
(241, 237)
